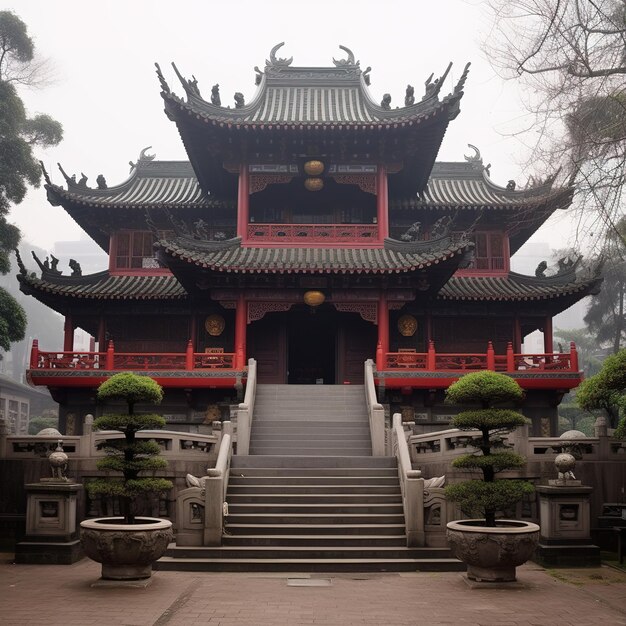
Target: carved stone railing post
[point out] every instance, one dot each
(412, 486)
(215, 486)
(376, 412)
(245, 411)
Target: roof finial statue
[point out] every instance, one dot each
(164, 86)
(434, 87)
(75, 267)
(83, 180)
(349, 61)
(540, 270)
(20, 263)
(240, 101)
(474, 158)
(144, 156)
(101, 181)
(215, 95)
(458, 89)
(409, 98)
(45, 173)
(68, 180)
(366, 75)
(259, 75)
(190, 86)
(386, 102)
(274, 61)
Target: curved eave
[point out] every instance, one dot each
(60, 292)
(179, 110)
(237, 260)
(515, 287)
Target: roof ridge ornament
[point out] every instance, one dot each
(278, 62)
(350, 61)
(473, 158)
(189, 85)
(434, 87)
(164, 86)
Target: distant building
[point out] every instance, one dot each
(18, 402)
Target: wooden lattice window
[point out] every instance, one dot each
(489, 253)
(133, 250)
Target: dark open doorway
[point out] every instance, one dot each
(311, 341)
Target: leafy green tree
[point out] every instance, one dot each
(486, 497)
(19, 168)
(607, 390)
(586, 345)
(130, 455)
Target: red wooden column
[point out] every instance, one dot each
(101, 334)
(517, 335)
(243, 202)
(382, 203)
(383, 330)
(548, 340)
(68, 334)
(240, 332)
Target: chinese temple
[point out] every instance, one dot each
(311, 229)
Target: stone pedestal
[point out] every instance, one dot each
(565, 520)
(51, 531)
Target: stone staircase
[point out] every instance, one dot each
(310, 497)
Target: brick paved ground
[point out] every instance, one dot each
(53, 595)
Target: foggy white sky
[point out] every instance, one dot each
(106, 94)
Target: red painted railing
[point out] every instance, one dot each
(130, 361)
(318, 233)
(465, 362)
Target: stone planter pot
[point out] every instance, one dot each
(492, 554)
(126, 551)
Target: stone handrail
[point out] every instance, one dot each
(445, 445)
(375, 411)
(412, 486)
(246, 411)
(173, 444)
(215, 486)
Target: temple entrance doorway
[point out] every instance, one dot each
(311, 345)
(307, 347)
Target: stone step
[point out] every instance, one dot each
(264, 451)
(302, 443)
(305, 552)
(297, 462)
(367, 541)
(326, 437)
(313, 519)
(289, 479)
(308, 565)
(313, 489)
(257, 496)
(320, 507)
(366, 473)
(316, 529)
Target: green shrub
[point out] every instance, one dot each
(130, 455)
(487, 496)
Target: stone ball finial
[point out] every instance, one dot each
(573, 434)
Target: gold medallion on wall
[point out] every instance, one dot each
(214, 325)
(407, 325)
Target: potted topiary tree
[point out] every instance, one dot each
(128, 545)
(491, 547)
